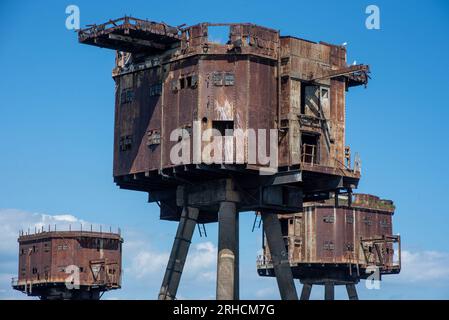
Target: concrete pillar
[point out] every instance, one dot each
(305, 293)
(279, 256)
(178, 254)
(329, 291)
(227, 258)
(352, 292)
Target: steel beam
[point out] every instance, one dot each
(227, 258)
(178, 254)
(352, 292)
(279, 255)
(329, 292)
(305, 293)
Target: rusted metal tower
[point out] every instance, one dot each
(178, 91)
(69, 264)
(338, 242)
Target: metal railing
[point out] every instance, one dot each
(70, 227)
(14, 281)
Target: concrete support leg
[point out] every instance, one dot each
(352, 292)
(305, 293)
(178, 253)
(329, 293)
(279, 255)
(227, 260)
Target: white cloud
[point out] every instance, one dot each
(12, 221)
(424, 266)
(265, 293)
(202, 260)
(146, 263)
(200, 263)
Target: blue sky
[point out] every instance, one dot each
(56, 128)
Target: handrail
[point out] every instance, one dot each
(125, 22)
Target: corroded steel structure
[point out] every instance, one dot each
(69, 264)
(338, 242)
(175, 84)
(166, 78)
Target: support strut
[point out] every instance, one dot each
(178, 254)
(329, 292)
(352, 292)
(228, 255)
(279, 255)
(306, 290)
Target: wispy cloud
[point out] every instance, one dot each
(200, 264)
(424, 266)
(146, 263)
(12, 221)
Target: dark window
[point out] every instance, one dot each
(217, 78)
(384, 223)
(224, 126)
(194, 81)
(125, 143)
(309, 148)
(220, 79)
(367, 221)
(229, 79)
(175, 85)
(349, 219)
(156, 89)
(189, 81)
(185, 82)
(154, 137)
(328, 245)
(126, 96)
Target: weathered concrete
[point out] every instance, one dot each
(227, 260)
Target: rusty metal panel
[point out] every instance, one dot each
(343, 235)
(45, 257)
(136, 120)
(180, 99)
(262, 96)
